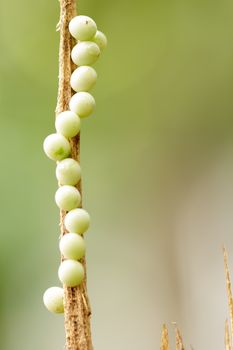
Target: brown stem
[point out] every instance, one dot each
(164, 339)
(76, 304)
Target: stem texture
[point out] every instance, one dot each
(76, 303)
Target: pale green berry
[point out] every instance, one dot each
(56, 147)
(85, 53)
(72, 246)
(77, 221)
(53, 299)
(71, 273)
(68, 124)
(68, 172)
(82, 103)
(100, 39)
(67, 197)
(82, 28)
(83, 78)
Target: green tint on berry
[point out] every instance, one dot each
(71, 273)
(72, 246)
(53, 300)
(85, 53)
(56, 147)
(68, 172)
(67, 197)
(100, 39)
(82, 28)
(77, 221)
(83, 78)
(82, 103)
(68, 124)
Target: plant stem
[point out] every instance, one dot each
(164, 339)
(76, 303)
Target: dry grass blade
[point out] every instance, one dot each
(164, 339)
(228, 324)
(229, 293)
(179, 340)
(227, 337)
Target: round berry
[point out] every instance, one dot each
(82, 28)
(68, 172)
(53, 299)
(83, 78)
(67, 197)
(82, 103)
(85, 53)
(100, 39)
(56, 147)
(71, 273)
(72, 246)
(77, 221)
(68, 124)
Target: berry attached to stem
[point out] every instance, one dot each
(68, 124)
(72, 246)
(77, 221)
(82, 103)
(82, 28)
(68, 172)
(83, 78)
(53, 300)
(71, 273)
(56, 147)
(67, 197)
(85, 53)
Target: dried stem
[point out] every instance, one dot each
(164, 339)
(76, 303)
(227, 337)
(179, 340)
(229, 293)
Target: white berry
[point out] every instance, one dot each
(100, 39)
(83, 78)
(71, 273)
(82, 103)
(77, 221)
(68, 124)
(53, 300)
(56, 147)
(67, 197)
(85, 53)
(72, 246)
(68, 172)
(82, 28)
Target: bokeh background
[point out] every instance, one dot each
(157, 162)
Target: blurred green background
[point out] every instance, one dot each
(157, 163)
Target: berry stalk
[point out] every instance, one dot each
(76, 304)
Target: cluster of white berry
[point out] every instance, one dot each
(90, 42)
